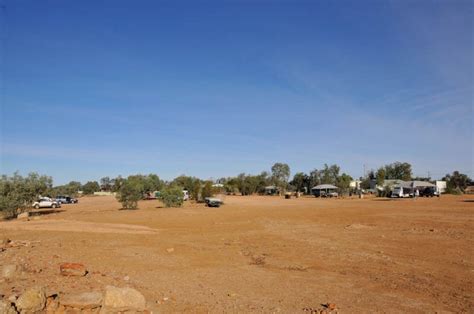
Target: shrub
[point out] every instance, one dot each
(129, 194)
(172, 196)
(206, 190)
(18, 193)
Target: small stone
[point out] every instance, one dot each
(6, 308)
(23, 216)
(9, 271)
(123, 299)
(72, 269)
(331, 306)
(4, 241)
(32, 300)
(12, 298)
(86, 300)
(170, 250)
(126, 278)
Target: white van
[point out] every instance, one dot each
(400, 192)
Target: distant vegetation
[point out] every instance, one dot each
(457, 182)
(18, 193)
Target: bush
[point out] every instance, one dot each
(129, 194)
(206, 190)
(90, 187)
(172, 196)
(18, 193)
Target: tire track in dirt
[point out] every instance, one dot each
(62, 225)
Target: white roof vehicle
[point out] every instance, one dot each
(46, 202)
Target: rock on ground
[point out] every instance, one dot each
(85, 300)
(72, 269)
(6, 308)
(32, 300)
(123, 299)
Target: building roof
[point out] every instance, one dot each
(270, 187)
(417, 184)
(324, 187)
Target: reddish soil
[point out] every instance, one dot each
(258, 254)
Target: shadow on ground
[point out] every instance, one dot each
(46, 212)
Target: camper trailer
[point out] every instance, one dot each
(401, 192)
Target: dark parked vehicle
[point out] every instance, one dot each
(429, 192)
(213, 202)
(66, 199)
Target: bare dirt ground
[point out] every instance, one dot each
(258, 254)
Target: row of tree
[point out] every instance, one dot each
(17, 193)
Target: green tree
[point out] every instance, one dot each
(206, 190)
(191, 184)
(171, 196)
(456, 182)
(117, 183)
(129, 194)
(329, 174)
(105, 184)
(344, 182)
(314, 179)
(18, 193)
(398, 171)
(280, 175)
(90, 187)
(300, 181)
(380, 176)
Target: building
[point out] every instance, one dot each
(441, 185)
(355, 184)
(324, 190)
(272, 190)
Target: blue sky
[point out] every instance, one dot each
(210, 89)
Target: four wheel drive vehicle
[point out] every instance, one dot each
(213, 202)
(46, 202)
(66, 200)
(429, 192)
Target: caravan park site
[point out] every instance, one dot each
(256, 253)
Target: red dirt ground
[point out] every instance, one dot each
(258, 254)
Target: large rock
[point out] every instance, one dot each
(32, 300)
(9, 270)
(72, 269)
(23, 216)
(6, 308)
(85, 300)
(123, 299)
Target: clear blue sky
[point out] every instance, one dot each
(210, 89)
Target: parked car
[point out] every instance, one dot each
(46, 202)
(429, 192)
(213, 202)
(66, 200)
(328, 194)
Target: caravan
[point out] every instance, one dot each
(401, 192)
